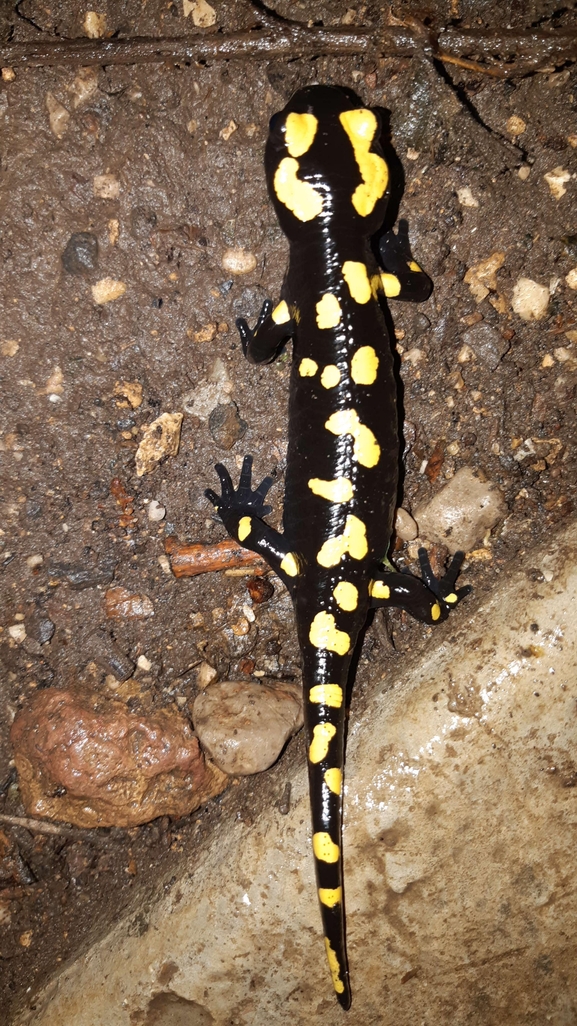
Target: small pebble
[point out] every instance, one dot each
(17, 632)
(462, 512)
(260, 589)
(225, 425)
(161, 438)
(155, 511)
(203, 15)
(571, 278)
(58, 116)
(238, 261)
(143, 663)
(466, 198)
(405, 526)
(34, 561)
(556, 180)
(121, 604)
(107, 290)
(487, 343)
(530, 300)
(205, 675)
(80, 255)
(94, 24)
(106, 186)
(515, 125)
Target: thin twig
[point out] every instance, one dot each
(513, 52)
(40, 826)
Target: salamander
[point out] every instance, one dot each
(329, 183)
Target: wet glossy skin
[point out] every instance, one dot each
(327, 179)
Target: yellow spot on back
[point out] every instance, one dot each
(347, 596)
(327, 694)
(300, 131)
(308, 368)
(324, 633)
(290, 564)
(391, 285)
(357, 278)
(413, 266)
(330, 376)
(339, 490)
(378, 589)
(330, 896)
(280, 314)
(334, 780)
(451, 598)
(435, 611)
(376, 285)
(353, 541)
(364, 366)
(244, 528)
(298, 197)
(325, 848)
(323, 734)
(328, 311)
(361, 127)
(334, 967)
(366, 449)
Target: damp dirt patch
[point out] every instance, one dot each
(135, 229)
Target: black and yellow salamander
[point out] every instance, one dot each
(328, 181)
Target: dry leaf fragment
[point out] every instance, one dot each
(482, 277)
(161, 438)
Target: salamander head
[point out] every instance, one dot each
(324, 163)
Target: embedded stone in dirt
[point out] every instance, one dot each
(89, 760)
(462, 512)
(243, 727)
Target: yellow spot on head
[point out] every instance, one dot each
(328, 311)
(323, 734)
(339, 490)
(364, 366)
(244, 528)
(299, 197)
(334, 780)
(324, 633)
(361, 127)
(327, 694)
(300, 131)
(353, 541)
(435, 611)
(290, 565)
(357, 278)
(308, 368)
(330, 896)
(347, 596)
(280, 314)
(330, 376)
(325, 848)
(413, 266)
(366, 449)
(452, 598)
(391, 285)
(334, 967)
(380, 590)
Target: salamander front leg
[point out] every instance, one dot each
(241, 510)
(263, 343)
(430, 599)
(402, 277)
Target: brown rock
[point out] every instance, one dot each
(115, 767)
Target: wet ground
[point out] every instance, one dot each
(143, 177)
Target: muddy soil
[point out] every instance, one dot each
(132, 183)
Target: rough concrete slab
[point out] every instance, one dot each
(459, 845)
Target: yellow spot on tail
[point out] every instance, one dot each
(364, 366)
(330, 376)
(366, 449)
(361, 128)
(451, 598)
(308, 368)
(327, 694)
(323, 734)
(347, 596)
(328, 311)
(357, 278)
(334, 967)
(325, 848)
(299, 197)
(334, 780)
(391, 285)
(330, 896)
(380, 590)
(353, 541)
(324, 633)
(300, 131)
(435, 611)
(413, 266)
(280, 314)
(339, 490)
(244, 528)
(290, 565)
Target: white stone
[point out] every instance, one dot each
(462, 512)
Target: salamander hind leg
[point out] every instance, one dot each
(430, 599)
(241, 510)
(263, 343)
